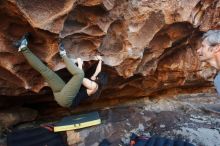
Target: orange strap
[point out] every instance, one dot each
(132, 143)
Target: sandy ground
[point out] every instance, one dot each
(180, 117)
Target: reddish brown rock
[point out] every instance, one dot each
(147, 46)
(16, 115)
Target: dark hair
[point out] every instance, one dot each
(102, 80)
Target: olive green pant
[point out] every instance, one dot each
(64, 93)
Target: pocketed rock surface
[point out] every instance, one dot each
(147, 46)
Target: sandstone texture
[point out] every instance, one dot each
(148, 47)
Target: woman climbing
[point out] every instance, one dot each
(78, 88)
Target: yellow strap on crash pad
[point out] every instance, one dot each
(77, 122)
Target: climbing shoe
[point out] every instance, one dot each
(23, 42)
(62, 50)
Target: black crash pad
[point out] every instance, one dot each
(35, 137)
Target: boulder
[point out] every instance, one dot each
(148, 47)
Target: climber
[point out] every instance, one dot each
(210, 52)
(78, 88)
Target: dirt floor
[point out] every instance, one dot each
(180, 117)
